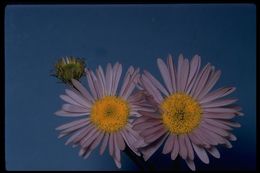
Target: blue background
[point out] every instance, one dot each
(36, 36)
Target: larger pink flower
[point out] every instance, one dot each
(189, 116)
(106, 112)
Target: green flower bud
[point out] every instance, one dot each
(69, 68)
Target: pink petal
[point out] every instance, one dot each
(79, 134)
(194, 70)
(89, 137)
(165, 74)
(70, 114)
(150, 150)
(69, 100)
(150, 123)
(230, 123)
(191, 164)
(116, 150)
(232, 137)
(156, 83)
(117, 75)
(97, 141)
(131, 84)
(102, 78)
(189, 148)
(126, 79)
(194, 139)
(219, 115)
(78, 98)
(151, 130)
(227, 144)
(91, 84)
(215, 129)
(82, 90)
(129, 142)
(73, 123)
(176, 148)
(201, 153)
(118, 163)
(210, 84)
(201, 80)
(155, 136)
(150, 114)
(212, 136)
(87, 154)
(62, 135)
(129, 128)
(111, 144)
(172, 73)
(183, 148)
(83, 151)
(200, 135)
(184, 72)
(179, 67)
(101, 86)
(104, 144)
(217, 124)
(109, 78)
(140, 120)
(219, 93)
(74, 108)
(220, 110)
(214, 152)
(151, 89)
(75, 127)
(120, 141)
(168, 146)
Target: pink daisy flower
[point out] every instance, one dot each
(188, 117)
(106, 112)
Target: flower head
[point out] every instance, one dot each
(188, 117)
(69, 68)
(106, 112)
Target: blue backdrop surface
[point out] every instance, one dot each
(36, 36)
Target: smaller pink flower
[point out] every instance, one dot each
(105, 112)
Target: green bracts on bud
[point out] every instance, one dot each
(69, 68)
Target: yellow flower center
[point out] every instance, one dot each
(180, 113)
(110, 113)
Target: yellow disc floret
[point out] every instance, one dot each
(110, 113)
(180, 113)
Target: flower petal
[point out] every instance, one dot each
(172, 71)
(70, 114)
(150, 150)
(214, 152)
(219, 93)
(183, 148)
(104, 144)
(176, 148)
(191, 164)
(201, 153)
(189, 148)
(120, 141)
(168, 146)
(82, 90)
(73, 123)
(214, 77)
(74, 108)
(194, 70)
(165, 74)
(156, 83)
